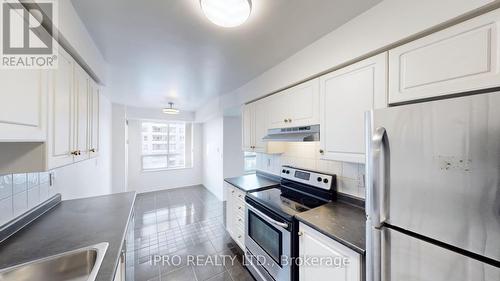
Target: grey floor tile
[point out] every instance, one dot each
(181, 222)
(146, 271)
(182, 274)
(224, 276)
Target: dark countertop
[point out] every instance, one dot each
(340, 221)
(71, 225)
(253, 182)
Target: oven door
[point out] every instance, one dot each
(269, 241)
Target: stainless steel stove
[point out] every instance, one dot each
(271, 237)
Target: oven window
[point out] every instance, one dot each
(266, 236)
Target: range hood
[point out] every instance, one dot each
(294, 134)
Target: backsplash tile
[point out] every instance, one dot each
(21, 192)
(5, 186)
(44, 191)
(20, 183)
(33, 180)
(350, 176)
(33, 196)
(5, 210)
(20, 203)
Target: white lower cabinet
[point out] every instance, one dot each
(345, 96)
(235, 215)
(461, 58)
(338, 263)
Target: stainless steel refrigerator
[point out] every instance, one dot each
(433, 194)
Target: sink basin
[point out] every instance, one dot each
(77, 265)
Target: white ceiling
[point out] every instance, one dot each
(166, 50)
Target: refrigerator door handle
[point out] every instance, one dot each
(378, 173)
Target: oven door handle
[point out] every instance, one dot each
(267, 218)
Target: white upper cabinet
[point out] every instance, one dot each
(261, 120)
(23, 105)
(255, 122)
(345, 96)
(314, 244)
(94, 94)
(60, 143)
(296, 106)
(462, 58)
(82, 134)
(247, 127)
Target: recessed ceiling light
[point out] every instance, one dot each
(226, 13)
(171, 109)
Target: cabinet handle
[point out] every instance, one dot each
(289, 120)
(286, 120)
(74, 152)
(239, 196)
(321, 151)
(300, 233)
(239, 208)
(92, 150)
(239, 236)
(79, 152)
(239, 219)
(232, 191)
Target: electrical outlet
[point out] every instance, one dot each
(52, 178)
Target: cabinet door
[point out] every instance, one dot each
(94, 118)
(314, 244)
(462, 58)
(345, 96)
(23, 105)
(278, 110)
(61, 113)
(303, 103)
(230, 193)
(261, 123)
(82, 113)
(247, 127)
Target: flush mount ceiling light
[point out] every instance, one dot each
(170, 109)
(226, 13)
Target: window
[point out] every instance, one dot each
(164, 145)
(250, 162)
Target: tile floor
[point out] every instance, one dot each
(175, 224)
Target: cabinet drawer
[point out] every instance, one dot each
(239, 238)
(239, 221)
(462, 58)
(240, 195)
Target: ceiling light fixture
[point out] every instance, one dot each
(171, 109)
(227, 13)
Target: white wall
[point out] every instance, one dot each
(213, 135)
(233, 157)
(119, 148)
(91, 177)
(141, 181)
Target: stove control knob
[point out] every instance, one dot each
(283, 171)
(325, 180)
(287, 172)
(319, 179)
